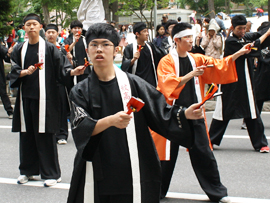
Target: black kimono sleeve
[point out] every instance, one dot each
(3, 54)
(233, 44)
(127, 57)
(168, 121)
(16, 66)
(82, 123)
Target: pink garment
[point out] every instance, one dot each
(212, 47)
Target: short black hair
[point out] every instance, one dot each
(265, 24)
(170, 22)
(179, 18)
(51, 26)
(180, 27)
(239, 20)
(207, 20)
(31, 16)
(76, 23)
(102, 30)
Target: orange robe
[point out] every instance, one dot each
(223, 72)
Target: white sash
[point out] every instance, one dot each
(218, 110)
(250, 92)
(125, 91)
(42, 86)
(134, 67)
(175, 57)
(170, 40)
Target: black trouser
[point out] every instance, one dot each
(260, 105)
(6, 103)
(255, 130)
(38, 151)
(63, 105)
(115, 198)
(203, 163)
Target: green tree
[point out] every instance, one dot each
(5, 16)
(137, 7)
(202, 6)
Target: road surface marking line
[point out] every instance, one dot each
(174, 195)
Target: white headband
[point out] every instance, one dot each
(183, 33)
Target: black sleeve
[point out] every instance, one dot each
(62, 66)
(158, 53)
(16, 68)
(3, 54)
(168, 121)
(232, 45)
(82, 123)
(127, 57)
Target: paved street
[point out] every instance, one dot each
(246, 173)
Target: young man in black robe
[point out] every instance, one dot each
(141, 58)
(4, 55)
(262, 74)
(36, 113)
(51, 33)
(116, 160)
(238, 99)
(78, 48)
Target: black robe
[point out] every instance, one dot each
(157, 114)
(3, 56)
(57, 69)
(158, 53)
(261, 77)
(235, 99)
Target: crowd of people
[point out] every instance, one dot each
(116, 159)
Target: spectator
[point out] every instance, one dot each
(160, 35)
(167, 42)
(192, 17)
(212, 43)
(20, 34)
(259, 12)
(220, 23)
(248, 26)
(123, 38)
(12, 34)
(164, 19)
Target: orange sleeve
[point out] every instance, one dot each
(167, 80)
(223, 72)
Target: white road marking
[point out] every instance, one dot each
(35, 183)
(225, 136)
(187, 196)
(173, 195)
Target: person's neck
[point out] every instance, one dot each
(141, 42)
(181, 53)
(237, 36)
(34, 40)
(105, 73)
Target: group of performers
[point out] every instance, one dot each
(118, 155)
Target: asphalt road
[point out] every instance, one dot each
(243, 171)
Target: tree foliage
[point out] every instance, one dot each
(5, 16)
(63, 11)
(137, 7)
(202, 6)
